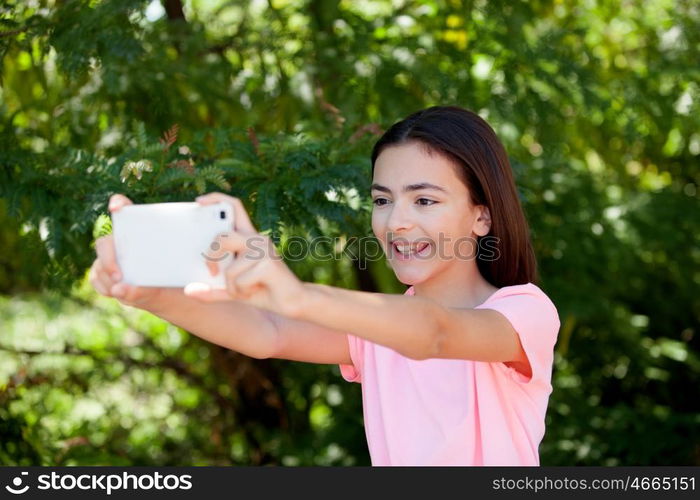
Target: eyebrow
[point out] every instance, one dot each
(409, 187)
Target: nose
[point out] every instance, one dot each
(399, 219)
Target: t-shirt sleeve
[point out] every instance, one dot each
(353, 372)
(536, 321)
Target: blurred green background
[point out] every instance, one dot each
(279, 102)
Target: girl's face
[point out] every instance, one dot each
(422, 213)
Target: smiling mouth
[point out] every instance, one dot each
(407, 251)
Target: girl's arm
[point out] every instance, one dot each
(252, 331)
(415, 327)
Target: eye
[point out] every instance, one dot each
(430, 202)
(377, 201)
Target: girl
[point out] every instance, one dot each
(454, 372)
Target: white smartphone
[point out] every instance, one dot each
(168, 244)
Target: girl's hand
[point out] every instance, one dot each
(257, 275)
(105, 275)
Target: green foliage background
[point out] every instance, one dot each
(278, 102)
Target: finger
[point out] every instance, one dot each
(232, 241)
(241, 219)
(234, 244)
(117, 201)
(213, 267)
(213, 256)
(223, 245)
(101, 290)
(234, 270)
(118, 290)
(256, 246)
(96, 283)
(104, 280)
(99, 277)
(249, 288)
(206, 293)
(104, 246)
(251, 278)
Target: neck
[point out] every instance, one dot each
(461, 287)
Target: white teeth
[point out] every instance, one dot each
(409, 249)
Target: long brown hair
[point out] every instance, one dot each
(465, 138)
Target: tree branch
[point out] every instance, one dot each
(174, 10)
(14, 32)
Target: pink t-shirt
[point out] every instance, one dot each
(460, 412)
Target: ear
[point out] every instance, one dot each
(482, 225)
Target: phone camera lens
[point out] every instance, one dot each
(222, 215)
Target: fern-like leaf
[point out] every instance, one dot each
(169, 137)
(214, 175)
(200, 185)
